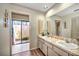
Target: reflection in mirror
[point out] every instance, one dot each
(57, 24)
(40, 26)
(65, 24)
(48, 29)
(54, 25)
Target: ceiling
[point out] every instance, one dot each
(69, 10)
(37, 6)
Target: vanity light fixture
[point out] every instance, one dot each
(5, 18)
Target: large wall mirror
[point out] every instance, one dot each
(65, 24)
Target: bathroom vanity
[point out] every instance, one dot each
(50, 47)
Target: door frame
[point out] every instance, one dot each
(11, 29)
(21, 31)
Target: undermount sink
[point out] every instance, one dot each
(66, 45)
(46, 37)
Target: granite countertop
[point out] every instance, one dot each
(53, 41)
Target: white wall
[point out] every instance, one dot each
(5, 34)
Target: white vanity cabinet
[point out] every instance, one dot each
(44, 50)
(50, 49)
(60, 51)
(51, 52)
(42, 46)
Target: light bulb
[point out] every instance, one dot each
(45, 7)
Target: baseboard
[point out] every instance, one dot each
(33, 48)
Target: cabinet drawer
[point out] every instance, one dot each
(51, 52)
(60, 52)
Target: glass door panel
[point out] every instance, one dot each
(25, 31)
(16, 32)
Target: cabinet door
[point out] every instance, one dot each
(60, 52)
(48, 44)
(44, 50)
(40, 45)
(51, 52)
